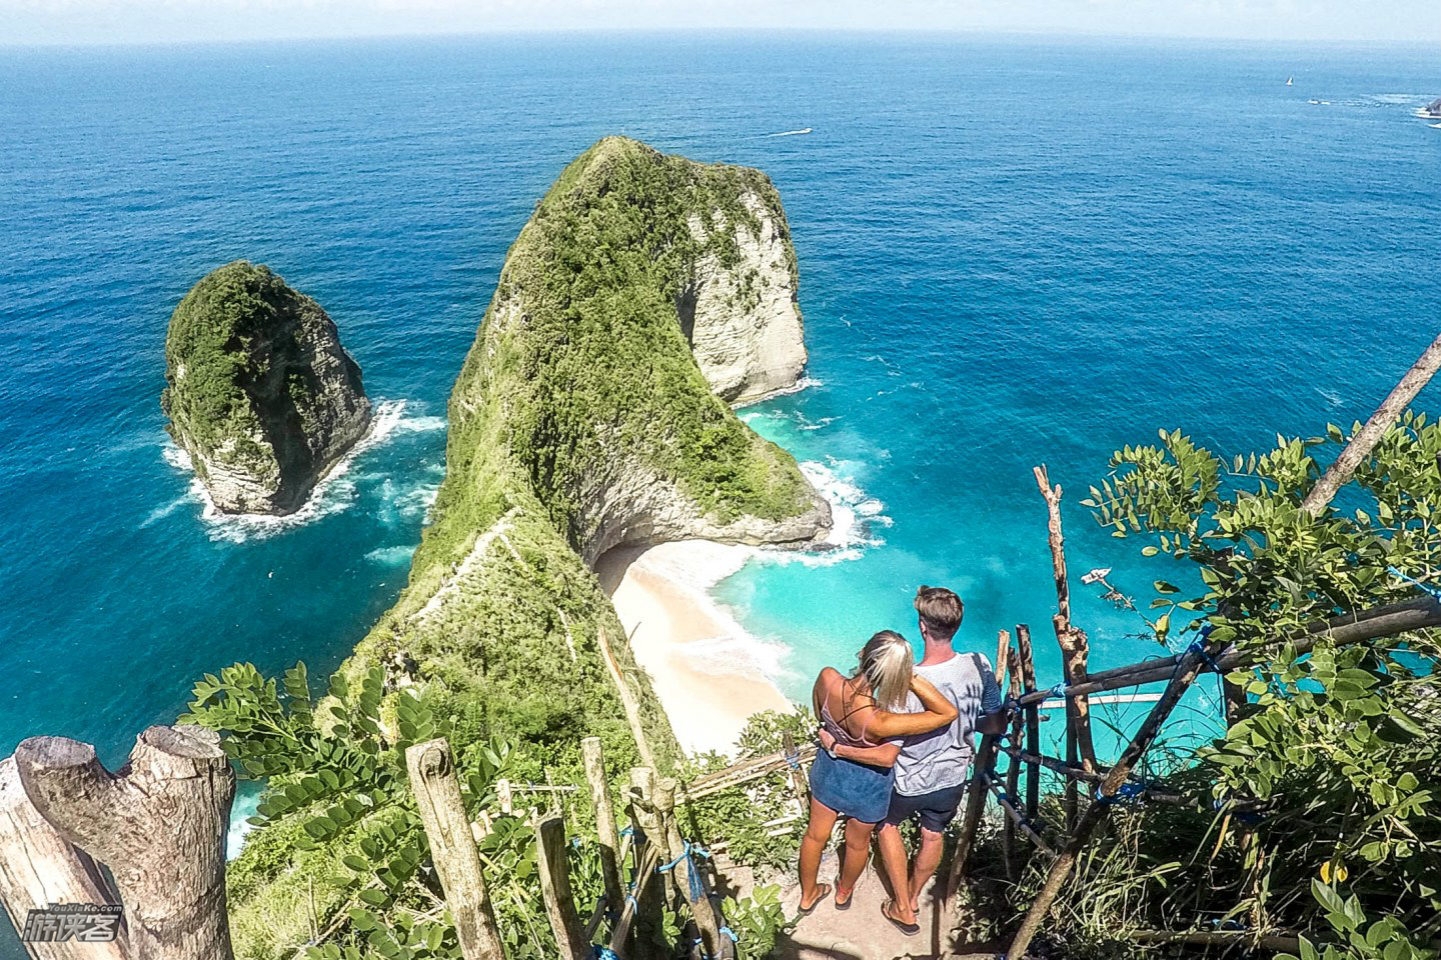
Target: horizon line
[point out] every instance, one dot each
(735, 31)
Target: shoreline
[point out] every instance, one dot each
(708, 673)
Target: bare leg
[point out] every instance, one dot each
(813, 844)
(858, 851)
(928, 857)
(893, 859)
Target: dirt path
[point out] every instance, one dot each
(860, 932)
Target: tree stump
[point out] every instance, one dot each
(39, 867)
(159, 825)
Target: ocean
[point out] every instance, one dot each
(1013, 251)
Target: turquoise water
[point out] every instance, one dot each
(1012, 252)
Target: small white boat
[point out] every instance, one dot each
(1290, 81)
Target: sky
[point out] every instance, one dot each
(30, 22)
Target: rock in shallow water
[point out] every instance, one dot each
(260, 393)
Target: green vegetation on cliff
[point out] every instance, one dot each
(259, 392)
(582, 360)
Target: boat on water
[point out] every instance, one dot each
(1290, 81)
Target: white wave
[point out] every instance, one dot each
(335, 492)
(694, 568)
(1331, 396)
(855, 515)
(1400, 97)
(820, 424)
(1434, 126)
(804, 383)
(391, 556)
(790, 133)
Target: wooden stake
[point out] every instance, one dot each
(985, 762)
(555, 890)
(1013, 769)
(1003, 647)
(1073, 644)
(715, 943)
(1100, 810)
(797, 776)
(1033, 718)
(627, 701)
(648, 854)
(505, 796)
(38, 867)
(605, 825)
(437, 794)
(1360, 446)
(159, 826)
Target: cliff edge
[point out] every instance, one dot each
(260, 394)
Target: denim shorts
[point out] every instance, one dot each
(857, 790)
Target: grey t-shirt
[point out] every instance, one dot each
(941, 758)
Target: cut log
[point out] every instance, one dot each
(555, 890)
(606, 832)
(452, 848)
(38, 867)
(159, 826)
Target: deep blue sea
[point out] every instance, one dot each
(1012, 251)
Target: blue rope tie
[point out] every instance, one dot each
(1127, 793)
(1429, 588)
(1198, 647)
(1059, 690)
(735, 938)
(691, 851)
(628, 831)
(602, 952)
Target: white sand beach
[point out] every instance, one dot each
(709, 673)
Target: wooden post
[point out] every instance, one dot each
(1097, 812)
(505, 796)
(605, 825)
(1073, 644)
(687, 875)
(799, 786)
(1360, 446)
(570, 938)
(159, 826)
(1013, 768)
(1003, 648)
(985, 762)
(648, 855)
(1033, 719)
(627, 700)
(38, 867)
(437, 794)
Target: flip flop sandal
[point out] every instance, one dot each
(825, 891)
(909, 929)
(846, 904)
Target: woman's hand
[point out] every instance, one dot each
(827, 739)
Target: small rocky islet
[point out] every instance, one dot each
(260, 393)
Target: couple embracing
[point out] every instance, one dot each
(896, 744)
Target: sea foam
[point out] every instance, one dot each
(335, 492)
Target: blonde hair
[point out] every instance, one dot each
(886, 661)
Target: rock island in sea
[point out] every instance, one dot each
(260, 393)
(645, 292)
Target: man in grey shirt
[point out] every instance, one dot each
(932, 768)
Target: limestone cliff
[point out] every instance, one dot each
(260, 393)
(741, 316)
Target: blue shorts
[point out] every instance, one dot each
(857, 790)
